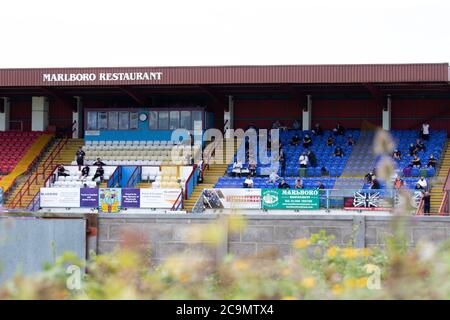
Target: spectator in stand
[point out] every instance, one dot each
(80, 157)
(296, 125)
(312, 158)
(283, 185)
(419, 145)
(276, 125)
(426, 197)
(252, 167)
(415, 162)
(237, 168)
(375, 185)
(99, 173)
(350, 141)
(320, 185)
(422, 182)
(398, 183)
(317, 130)
(307, 141)
(425, 131)
(295, 140)
(339, 130)
(397, 155)
(412, 149)
(98, 162)
(338, 152)
(273, 177)
(330, 141)
(62, 171)
(432, 161)
(84, 173)
(303, 160)
(298, 184)
(248, 183)
(369, 176)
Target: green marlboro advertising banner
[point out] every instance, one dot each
(296, 199)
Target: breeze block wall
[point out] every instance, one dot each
(264, 235)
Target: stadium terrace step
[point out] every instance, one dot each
(437, 193)
(66, 155)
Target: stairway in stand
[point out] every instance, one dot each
(436, 191)
(213, 173)
(38, 176)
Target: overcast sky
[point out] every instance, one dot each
(53, 33)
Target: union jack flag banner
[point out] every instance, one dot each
(366, 200)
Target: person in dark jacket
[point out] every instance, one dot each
(99, 173)
(307, 142)
(80, 157)
(283, 185)
(339, 130)
(62, 171)
(317, 130)
(85, 172)
(98, 162)
(375, 185)
(432, 161)
(295, 140)
(338, 152)
(412, 149)
(426, 197)
(312, 159)
(320, 185)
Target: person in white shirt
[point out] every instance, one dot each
(248, 183)
(303, 160)
(423, 183)
(237, 168)
(426, 131)
(273, 177)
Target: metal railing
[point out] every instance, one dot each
(17, 201)
(135, 177)
(115, 178)
(179, 202)
(186, 184)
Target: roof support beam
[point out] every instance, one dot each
(215, 96)
(376, 93)
(136, 96)
(60, 97)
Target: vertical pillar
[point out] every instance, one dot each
(4, 114)
(306, 113)
(386, 115)
(228, 117)
(77, 117)
(39, 113)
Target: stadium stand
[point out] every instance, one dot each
(73, 179)
(14, 145)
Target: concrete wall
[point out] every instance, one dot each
(169, 234)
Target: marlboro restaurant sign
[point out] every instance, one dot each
(102, 76)
(294, 199)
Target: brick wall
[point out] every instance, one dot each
(264, 233)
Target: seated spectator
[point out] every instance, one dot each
(252, 167)
(425, 132)
(419, 145)
(320, 185)
(422, 182)
(248, 183)
(375, 185)
(317, 130)
(237, 168)
(307, 141)
(369, 176)
(84, 173)
(330, 141)
(283, 185)
(418, 187)
(276, 125)
(295, 140)
(398, 183)
(303, 160)
(62, 171)
(296, 125)
(415, 162)
(432, 162)
(397, 155)
(298, 184)
(312, 158)
(273, 177)
(98, 162)
(350, 141)
(339, 130)
(412, 149)
(99, 173)
(338, 152)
